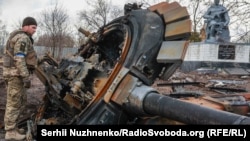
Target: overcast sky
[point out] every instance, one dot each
(12, 11)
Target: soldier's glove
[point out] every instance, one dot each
(26, 83)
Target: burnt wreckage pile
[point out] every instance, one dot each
(109, 80)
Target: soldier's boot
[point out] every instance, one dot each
(14, 135)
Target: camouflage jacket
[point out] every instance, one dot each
(18, 53)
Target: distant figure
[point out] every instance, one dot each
(217, 21)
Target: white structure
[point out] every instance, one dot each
(218, 52)
(202, 54)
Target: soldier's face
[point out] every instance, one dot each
(30, 29)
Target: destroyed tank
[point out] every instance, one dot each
(108, 81)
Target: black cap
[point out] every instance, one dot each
(29, 21)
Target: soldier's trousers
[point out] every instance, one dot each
(15, 103)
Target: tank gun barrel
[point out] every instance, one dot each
(145, 101)
(84, 32)
(189, 113)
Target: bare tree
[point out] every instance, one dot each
(99, 13)
(115, 12)
(55, 29)
(240, 15)
(17, 24)
(3, 36)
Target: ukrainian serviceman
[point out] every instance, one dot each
(18, 61)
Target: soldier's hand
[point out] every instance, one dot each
(26, 83)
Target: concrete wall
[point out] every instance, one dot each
(216, 55)
(41, 50)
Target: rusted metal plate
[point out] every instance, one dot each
(177, 30)
(72, 101)
(164, 7)
(172, 51)
(176, 14)
(99, 84)
(124, 89)
(115, 83)
(219, 105)
(157, 6)
(247, 96)
(52, 121)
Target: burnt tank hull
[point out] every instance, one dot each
(108, 81)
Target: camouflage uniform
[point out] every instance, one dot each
(15, 70)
